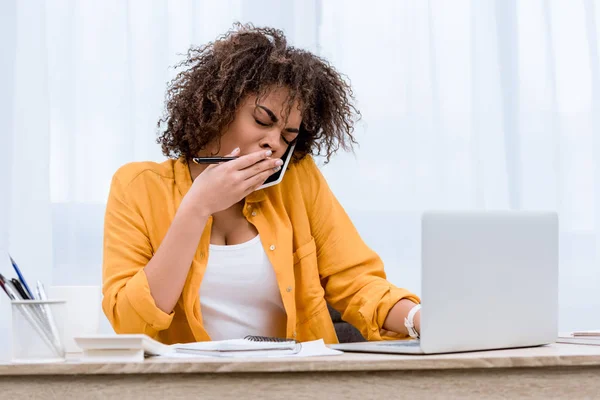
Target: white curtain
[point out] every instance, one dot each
(466, 104)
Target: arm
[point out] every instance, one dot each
(351, 273)
(167, 270)
(141, 288)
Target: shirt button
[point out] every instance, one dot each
(254, 213)
(294, 334)
(272, 247)
(202, 255)
(289, 289)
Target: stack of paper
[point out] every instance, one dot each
(119, 348)
(135, 347)
(591, 337)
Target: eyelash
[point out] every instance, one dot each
(261, 123)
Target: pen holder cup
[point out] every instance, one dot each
(38, 331)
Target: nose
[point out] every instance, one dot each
(272, 141)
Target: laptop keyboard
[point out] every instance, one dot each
(404, 343)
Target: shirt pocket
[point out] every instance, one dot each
(309, 292)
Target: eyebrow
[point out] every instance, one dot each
(275, 119)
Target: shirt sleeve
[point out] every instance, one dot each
(127, 301)
(351, 273)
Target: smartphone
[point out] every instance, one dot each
(278, 176)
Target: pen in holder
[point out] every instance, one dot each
(38, 331)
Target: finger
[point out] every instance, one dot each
(257, 180)
(234, 153)
(250, 159)
(260, 167)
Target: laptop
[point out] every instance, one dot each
(489, 280)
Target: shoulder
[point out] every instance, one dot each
(143, 171)
(305, 177)
(137, 180)
(306, 169)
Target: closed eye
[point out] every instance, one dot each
(291, 133)
(288, 142)
(261, 123)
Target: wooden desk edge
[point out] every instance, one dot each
(553, 356)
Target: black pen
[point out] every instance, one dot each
(20, 289)
(212, 160)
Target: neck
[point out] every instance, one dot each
(195, 169)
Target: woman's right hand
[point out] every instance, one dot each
(222, 185)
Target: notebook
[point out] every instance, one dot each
(591, 337)
(248, 346)
(136, 347)
(593, 333)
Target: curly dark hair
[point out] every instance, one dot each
(202, 99)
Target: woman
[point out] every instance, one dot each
(195, 252)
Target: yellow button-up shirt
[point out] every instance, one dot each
(316, 252)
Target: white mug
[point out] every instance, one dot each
(83, 311)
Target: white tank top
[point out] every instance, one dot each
(239, 295)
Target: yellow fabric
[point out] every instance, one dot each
(316, 252)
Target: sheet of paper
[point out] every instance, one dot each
(181, 355)
(315, 348)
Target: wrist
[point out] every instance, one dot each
(194, 206)
(193, 211)
(417, 321)
(412, 321)
(394, 321)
